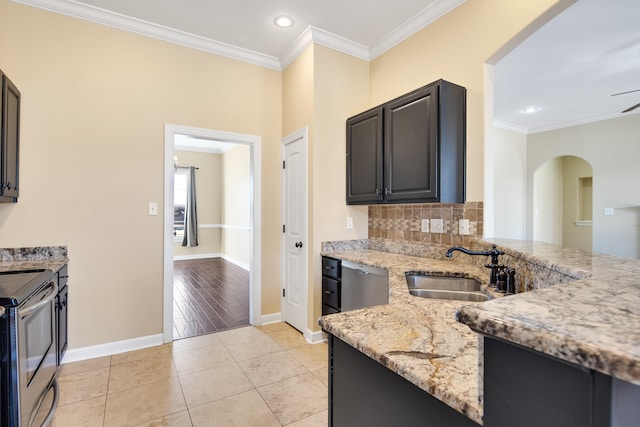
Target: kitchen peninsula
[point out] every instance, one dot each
(580, 312)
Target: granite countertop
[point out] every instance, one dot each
(418, 338)
(593, 322)
(593, 319)
(48, 258)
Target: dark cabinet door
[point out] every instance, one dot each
(410, 145)
(525, 388)
(364, 157)
(362, 392)
(10, 136)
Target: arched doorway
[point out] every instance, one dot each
(563, 202)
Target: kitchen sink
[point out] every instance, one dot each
(444, 287)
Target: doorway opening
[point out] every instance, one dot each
(563, 202)
(184, 147)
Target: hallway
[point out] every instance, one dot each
(209, 295)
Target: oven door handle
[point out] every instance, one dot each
(25, 311)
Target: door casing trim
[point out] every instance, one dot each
(255, 286)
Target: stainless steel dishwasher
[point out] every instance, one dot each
(363, 286)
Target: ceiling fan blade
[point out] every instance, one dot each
(631, 108)
(624, 93)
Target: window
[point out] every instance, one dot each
(179, 201)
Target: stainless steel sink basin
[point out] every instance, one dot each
(444, 287)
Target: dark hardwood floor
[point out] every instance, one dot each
(209, 295)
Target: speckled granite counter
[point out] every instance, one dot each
(593, 322)
(417, 338)
(584, 308)
(49, 258)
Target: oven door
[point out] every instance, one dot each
(36, 349)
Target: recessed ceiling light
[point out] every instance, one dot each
(531, 109)
(283, 21)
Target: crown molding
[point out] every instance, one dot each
(310, 35)
(316, 35)
(425, 17)
(510, 127)
(559, 125)
(138, 26)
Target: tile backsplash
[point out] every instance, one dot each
(404, 222)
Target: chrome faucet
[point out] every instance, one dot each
(493, 253)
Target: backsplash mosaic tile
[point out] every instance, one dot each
(404, 222)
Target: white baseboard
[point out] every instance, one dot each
(270, 318)
(315, 337)
(234, 261)
(108, 349)
(196, 256)
(240, 264)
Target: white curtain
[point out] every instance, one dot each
(190, 212)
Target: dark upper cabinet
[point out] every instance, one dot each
(364, 157)
(410, 149)
(9, 140)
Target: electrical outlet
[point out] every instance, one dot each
(349, 222)
(437, 226)
(464, 228)
(425, 226)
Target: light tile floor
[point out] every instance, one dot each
(252, 376)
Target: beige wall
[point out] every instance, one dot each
(236, 210)
(94, 104)
(547, 202)
(508, 183)
(209, 196)
(341, 90)
(612, 149)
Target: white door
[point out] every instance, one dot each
(295, 249)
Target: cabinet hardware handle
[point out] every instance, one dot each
(386, 191)
(327, 292)
(298, 244)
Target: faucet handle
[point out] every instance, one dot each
(511, 281)
(494, 252)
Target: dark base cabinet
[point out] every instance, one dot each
(62, 305)
(9, 140)
(331, 285)
(526, 388)
(362, 392)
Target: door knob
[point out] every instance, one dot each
(298, 244)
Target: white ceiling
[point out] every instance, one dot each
(569, 68)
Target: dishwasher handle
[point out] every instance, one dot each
(364, 269)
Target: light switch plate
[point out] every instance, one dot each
(349, 222)
(425, 226)
(437, 226)
(153, 208)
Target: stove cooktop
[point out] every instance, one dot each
(16, 286)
